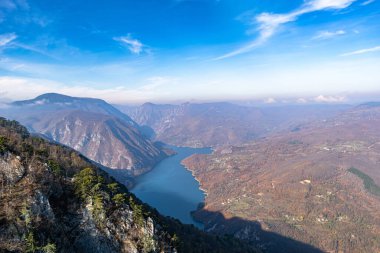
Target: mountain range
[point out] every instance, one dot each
(215, 124)
(91, 126)
(294, 178)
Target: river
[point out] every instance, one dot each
(171, 188)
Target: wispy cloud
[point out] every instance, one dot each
(268, 23)
(8, 4)
(14, 4)
(367, 2)
(270, 101)
(325, 99)
(158, 81)
(329, 99)
(41, 47)
(35, 50)
(362, 51)
(134, 45)
(115, 73)
(301, 100)
(322, 35)
(7, 38)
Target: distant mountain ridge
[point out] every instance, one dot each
(91, 126)
(215, 124)
(58, 101)
(370, 104)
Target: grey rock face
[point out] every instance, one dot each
(11, 169)
(40, 206)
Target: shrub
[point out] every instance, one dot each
(49, 248)
(30, 243)
(86, 182)
(55, 168)
(113, 187)
(98, 206)
(138, 217)
(3, 146)
(119, 199)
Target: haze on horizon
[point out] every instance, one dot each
(191, 50)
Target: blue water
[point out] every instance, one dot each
(172, 189)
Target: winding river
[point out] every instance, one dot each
(172, 189)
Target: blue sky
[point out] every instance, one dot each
(191, 50)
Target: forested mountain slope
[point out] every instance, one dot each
(52, 199)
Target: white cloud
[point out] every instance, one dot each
(367, 2)
(304, 100)
(316, 5)
(268, 23)
(7, 38)
(270, 101)
(328, 34)
(301, 100)
(362, 51)
(307, 80)
(134, 45)
(304, 80)
(19, 88)
(329, 99)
